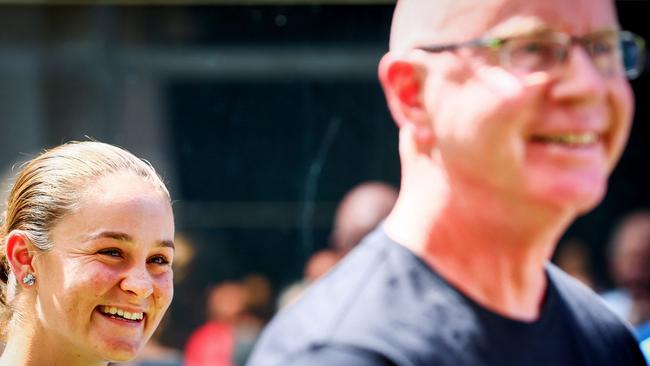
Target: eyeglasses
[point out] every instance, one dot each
(611, 51)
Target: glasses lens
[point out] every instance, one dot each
(532, 54)
(605, 50)
(633, 52)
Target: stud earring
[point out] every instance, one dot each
(29, 279)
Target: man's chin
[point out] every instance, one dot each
(573, 197)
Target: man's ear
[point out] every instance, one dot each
(19, 255)
(403, 84)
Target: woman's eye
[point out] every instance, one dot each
(112, 252)
(159, 259)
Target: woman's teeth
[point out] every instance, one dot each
(111, 310)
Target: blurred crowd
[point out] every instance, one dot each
(628, 256)
(236, 311)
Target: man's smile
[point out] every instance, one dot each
(569, 139)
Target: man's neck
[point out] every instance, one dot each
(495, 258)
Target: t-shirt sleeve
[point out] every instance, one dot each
(339, 355)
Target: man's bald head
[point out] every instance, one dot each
(421, 22)
(427, 22)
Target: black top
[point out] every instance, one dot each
(383, 306)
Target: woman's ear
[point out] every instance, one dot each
(403, 84)
(20, 258)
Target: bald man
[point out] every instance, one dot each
(511, 115)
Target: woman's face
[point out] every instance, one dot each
(112, 254)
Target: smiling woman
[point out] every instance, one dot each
(86, 253)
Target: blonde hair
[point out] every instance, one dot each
(50, 186)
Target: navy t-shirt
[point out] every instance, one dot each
(383, 306)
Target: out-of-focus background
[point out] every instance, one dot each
(260, 117)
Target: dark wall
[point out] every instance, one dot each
(295, 142)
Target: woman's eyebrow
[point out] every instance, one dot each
(167, 244)
(118, 235)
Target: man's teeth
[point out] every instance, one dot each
(569, 139)
(112, 310)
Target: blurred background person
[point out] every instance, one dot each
(317, 266)
(630, 269)
(236, 312)
(258, 311)
(213, 344)
(359, 212)
(573, 257)
(259, 296)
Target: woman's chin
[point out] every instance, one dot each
(117, 351)
(120, 357)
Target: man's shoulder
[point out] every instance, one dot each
(583, 303)
(580, 298)
(375, 300)
(601, 330)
